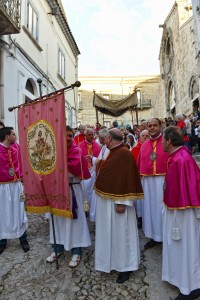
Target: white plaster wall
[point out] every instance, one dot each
(17, 69)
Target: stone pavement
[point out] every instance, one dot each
(28, 276)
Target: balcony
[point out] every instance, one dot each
(9, 16)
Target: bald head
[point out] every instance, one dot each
(115, 134)
(113, 138)
(144, 135)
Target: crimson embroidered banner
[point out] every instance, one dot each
(42, 135)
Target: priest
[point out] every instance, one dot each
(117, 186)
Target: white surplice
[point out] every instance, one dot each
(117, 242)
(72, 232)
(13, 219)
(152, 207)
(181, 258)
(102, 155)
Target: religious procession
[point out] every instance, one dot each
(121, 179)
(99, 163)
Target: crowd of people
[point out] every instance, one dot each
(127, 178)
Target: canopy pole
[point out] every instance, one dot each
(136, 112)
(132, 116)
(97, 116)
(72, 86)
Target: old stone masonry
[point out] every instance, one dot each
(28, 276)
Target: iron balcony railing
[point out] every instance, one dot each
(9, 16)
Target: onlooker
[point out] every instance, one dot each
(81, 136)
(182, 125)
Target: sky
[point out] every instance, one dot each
(117, 37)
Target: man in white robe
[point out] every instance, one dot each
(102, 156)
(117, 186)
(13, 219)
(152, 164)
(72, 234)
(181, 218)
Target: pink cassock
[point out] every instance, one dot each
(95, 148)
(148, 167)
(182, 183)
(77, 164)
(9, 159)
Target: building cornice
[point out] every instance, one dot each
(62, 21)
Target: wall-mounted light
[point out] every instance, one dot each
(54, 11)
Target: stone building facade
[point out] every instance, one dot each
(114, 88)
(178, 90)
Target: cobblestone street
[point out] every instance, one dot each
(28, 276)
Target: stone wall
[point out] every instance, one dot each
(117, 88)
(178, 63)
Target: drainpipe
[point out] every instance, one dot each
(1, 84)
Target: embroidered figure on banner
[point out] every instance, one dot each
(41, 142)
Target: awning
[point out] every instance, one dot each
(115, 108)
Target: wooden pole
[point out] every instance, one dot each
(136, 112)
(132, 116)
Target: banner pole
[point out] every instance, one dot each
(72, 86)
(54, 241)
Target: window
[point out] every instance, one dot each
(80, 104)
(106, 96)
(61, 64)
(107, 124)
(32, 21)
(139, 97)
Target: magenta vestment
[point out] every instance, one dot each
(95, 148)
(148, 167)
(182, 188)
(9, 159)
(77, 164)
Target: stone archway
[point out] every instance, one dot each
(194, 93)
(171, 99)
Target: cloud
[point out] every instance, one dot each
(117, 37)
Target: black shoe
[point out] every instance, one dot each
(139, 222)
(123, 276)
(151, 244)
(183, 297)
(25, 245)
(2, 248)
(195, 294)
